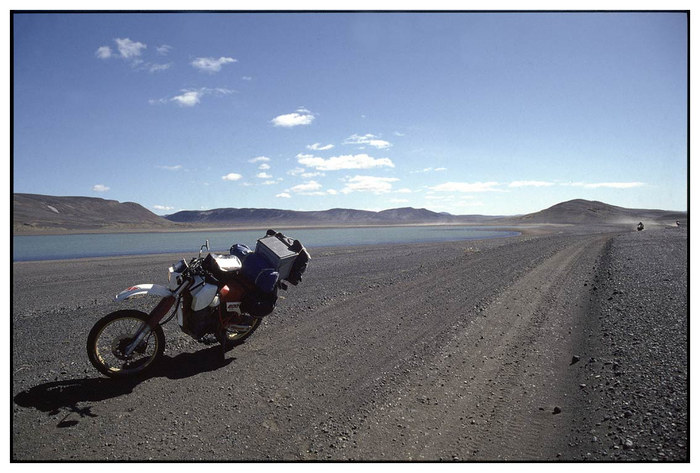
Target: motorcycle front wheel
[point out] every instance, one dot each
(111, 335)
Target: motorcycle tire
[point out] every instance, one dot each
(230, 338)
(110, 335)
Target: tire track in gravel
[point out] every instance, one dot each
(489, 394)
(365, 347)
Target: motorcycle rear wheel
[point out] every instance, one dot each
(112, 333)
(230, 337)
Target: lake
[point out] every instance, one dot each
(46, 247)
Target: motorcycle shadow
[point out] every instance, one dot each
(65, 395)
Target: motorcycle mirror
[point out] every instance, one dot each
(205, 245)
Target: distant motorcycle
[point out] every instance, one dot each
(221, 295)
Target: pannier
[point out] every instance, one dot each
(277, 249)
(276, 258)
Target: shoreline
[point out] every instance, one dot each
(115, 231)
(527, 230)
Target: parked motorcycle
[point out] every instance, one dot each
(218, 295)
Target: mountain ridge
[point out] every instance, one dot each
(36, 213)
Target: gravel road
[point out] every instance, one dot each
(565, 346)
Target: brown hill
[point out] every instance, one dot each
(581, 211)
(43, 213)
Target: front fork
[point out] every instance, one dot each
(150, 323)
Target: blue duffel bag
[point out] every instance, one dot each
(259, 271)
(241, 251)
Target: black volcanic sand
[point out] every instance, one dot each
(571, 345)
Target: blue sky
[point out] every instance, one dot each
(468, 113)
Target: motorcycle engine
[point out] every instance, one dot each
(201, 322)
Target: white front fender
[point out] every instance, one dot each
(141, 290)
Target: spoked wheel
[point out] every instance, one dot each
(110, 337)
(235, 333)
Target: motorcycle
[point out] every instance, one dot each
(211, 295)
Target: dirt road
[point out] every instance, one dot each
(453, 351)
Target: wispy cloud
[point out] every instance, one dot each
(163, 207)
(335, 163)
(264, 167)
(319, 147)
(530, 184)
(100, 188)
(373, 184)
(192, 97)
(367, 139)
(263, 175)
(232, 176)
(301, 117)
(259, 159)
(466, 187)
(429, 170)
(210, 64)
(164, 49)
(129, 49)
(157, 67)
(284, 195)
(176, 167)
(609, 185)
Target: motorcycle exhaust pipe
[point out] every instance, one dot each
(238, 327)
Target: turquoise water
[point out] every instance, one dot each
(44, 247)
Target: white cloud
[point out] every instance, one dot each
(209, 64)
(164, 49)
(301, 117)
(284, 195)
(430, 169)
(319, 147)
(232, 176)
(192, 97)
(376, 185)
(358, 161)
(189, 98)
(158, 67)
(104, 52)
(177, 167)
(129, 49)
(163, 207)
(264, 167)
(466, 187)
(246, 78)
(530, 184)
(100, 188)
(609, 185)
(263, 175)
(260, 159)
(306, 187)
(367, 139)
(404, 190)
